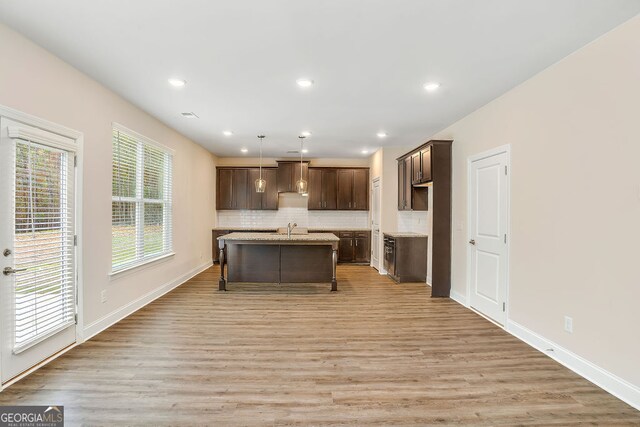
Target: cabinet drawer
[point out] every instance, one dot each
(362, 234)
(346, 234)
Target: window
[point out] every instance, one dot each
(141, 200)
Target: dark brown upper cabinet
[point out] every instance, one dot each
(323, 189)
(404, 184)
(421, 165)
(353, 189)
(267, 200)
(236, 190)
(289, 174)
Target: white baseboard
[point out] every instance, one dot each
(609, 382)
(458, 297)
(114, 317)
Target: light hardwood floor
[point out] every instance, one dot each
(373, 353)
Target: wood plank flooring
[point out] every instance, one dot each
(373, 353)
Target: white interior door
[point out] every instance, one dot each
(488, 225)
(375, 223)
(37, 252)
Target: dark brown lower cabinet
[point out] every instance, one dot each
(354, 247)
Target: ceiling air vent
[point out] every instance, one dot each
(293, 152)
(189, 115)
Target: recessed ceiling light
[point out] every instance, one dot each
(382, 134)
(306, 133)
(227, 133)
(431, 86)
(365, 151)
(244, 150)
(177, 82)
(190, 115)
(304, 82)
(304, 150)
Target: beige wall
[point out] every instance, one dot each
(574, 131)
(35, 82)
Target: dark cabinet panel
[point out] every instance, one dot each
(267, 200)
(270, 196)
(345, 247)
(289, 174)
(255, 198)
(401, 198)
(355, 246)
(361, 189)
(361, 249)
(416, 167)
(224, 198)
(425, 160)
(353, 189)
(323, 189)
(410, 197)
(239, 189)
(330, 188)
(315, 189)
(285, 176)
(345, 189)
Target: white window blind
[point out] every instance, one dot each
(43, 243)
(141, 200)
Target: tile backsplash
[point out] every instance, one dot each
(302, 216)
(414, 221)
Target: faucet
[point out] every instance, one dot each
(290, 228)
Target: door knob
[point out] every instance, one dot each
(8, 270)
(473, 242)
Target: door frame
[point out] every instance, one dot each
(78, 137)
(506, 149)
(377, 179)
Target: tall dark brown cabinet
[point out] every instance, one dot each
(431, 171)
(236, 190)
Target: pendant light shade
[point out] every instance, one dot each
(260, 183)
(301, 184)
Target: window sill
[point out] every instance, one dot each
(142, 266)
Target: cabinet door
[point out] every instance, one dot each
(345, 189)
(361, 252)
(285, 176)
(425, 156)
(330, 189)
(416, 167)
(315, 189)
(345, 249)
(360, 189)
(296, 174)
(255, 198)
(270, 195)
(407, 185)
(224, 199)
(239, 190)
(401, 201)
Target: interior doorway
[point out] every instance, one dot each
(488, 243)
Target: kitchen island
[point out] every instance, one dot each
(278, 258)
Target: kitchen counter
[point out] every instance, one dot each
(403, 234)
(253, 257)
(329, 229)
(273, 237)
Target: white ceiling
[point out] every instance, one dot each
(369, 60)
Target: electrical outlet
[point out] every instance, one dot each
(568, 324)
(103, 296)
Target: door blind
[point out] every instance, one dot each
(141, 203)
(44, 254)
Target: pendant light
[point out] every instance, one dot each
(261, 184)
(301, 184)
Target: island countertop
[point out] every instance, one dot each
(274, 237)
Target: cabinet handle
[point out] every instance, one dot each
(350, 242)
(356, 243)
(349, 204)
